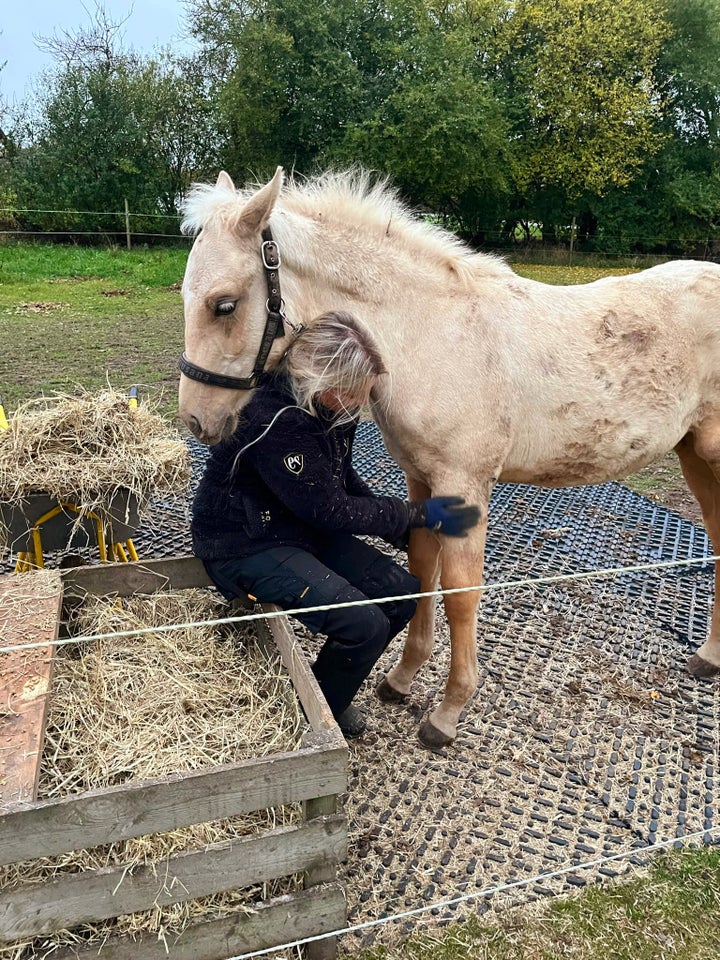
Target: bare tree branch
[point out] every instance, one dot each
(87, 46)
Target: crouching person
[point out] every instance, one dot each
(279, 509)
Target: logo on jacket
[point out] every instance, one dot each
(294, 462)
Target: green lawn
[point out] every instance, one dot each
(77, 315)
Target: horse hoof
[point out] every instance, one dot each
(432, 738)
(389, 694)
(702, 669)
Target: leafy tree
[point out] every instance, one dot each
(397, 85)
(173, 105)
(673, 204)
(113, 126)
(440, 132)
(583, 97)
(90, 151)
(8, 150)
(285, 76)
(689, 71)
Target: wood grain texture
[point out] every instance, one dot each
(95, 895)
(282, 920)
(97, 817)
(30, 606)
(144, 576)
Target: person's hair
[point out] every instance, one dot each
(336, 352)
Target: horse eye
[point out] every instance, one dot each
(223, 308)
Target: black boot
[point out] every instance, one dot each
(352, 722)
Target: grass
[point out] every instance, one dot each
(77, 315)
(672, 912)
(558, 274)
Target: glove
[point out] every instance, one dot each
(448, 515)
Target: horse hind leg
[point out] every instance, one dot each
(699, 454)
(423, 561)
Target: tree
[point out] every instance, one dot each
(289, 75)
(8, 151)
(441, 131)
(113, 126)
(674, 202)
(585, 101)
(393, 84)
(172, 101)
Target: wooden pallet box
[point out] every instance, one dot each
(314, 774)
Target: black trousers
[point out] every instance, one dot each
(343, 569)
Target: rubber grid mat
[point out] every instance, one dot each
(586, 737)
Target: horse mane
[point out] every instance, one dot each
(349, 197)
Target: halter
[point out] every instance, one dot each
(274, 327)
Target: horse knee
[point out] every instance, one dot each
(461, 607)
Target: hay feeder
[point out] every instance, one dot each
(41, 524)
(78, 471)
(313, 775)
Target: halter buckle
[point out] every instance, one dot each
(270, 255)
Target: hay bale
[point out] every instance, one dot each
(88, 448)
(129, 708)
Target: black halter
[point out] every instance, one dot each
(274, 327)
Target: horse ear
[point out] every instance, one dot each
(256, 212)
(224, 182)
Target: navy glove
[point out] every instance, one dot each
(448, 515)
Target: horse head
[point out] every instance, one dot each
(225, 294)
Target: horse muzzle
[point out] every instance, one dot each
(211, 434)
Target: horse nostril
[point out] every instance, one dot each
(194, 425)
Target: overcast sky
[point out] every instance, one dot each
(151, 23)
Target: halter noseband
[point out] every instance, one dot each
(274, 327)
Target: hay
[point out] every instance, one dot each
(126, 709)
(86, 448)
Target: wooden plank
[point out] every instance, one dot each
(306, 686)
(64, 904)
(286, 919)
(154, 806)
(145, 576)
(29, 613)
(318, 873)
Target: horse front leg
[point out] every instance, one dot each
(462, 566)
(423, 562)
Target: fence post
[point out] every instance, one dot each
(573, 228)
(127, 223)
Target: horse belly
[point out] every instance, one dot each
(604, 449)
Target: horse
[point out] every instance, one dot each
(490, 377)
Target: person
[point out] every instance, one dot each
(279, 509)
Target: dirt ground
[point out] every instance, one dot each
(663, 482)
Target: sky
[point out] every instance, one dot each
(151, 23)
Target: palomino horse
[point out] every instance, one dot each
(490, 377)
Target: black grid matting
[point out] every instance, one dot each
(586, 735)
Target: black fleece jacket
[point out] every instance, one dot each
(290, 488)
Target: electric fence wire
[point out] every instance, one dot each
(265, 614)
(678, 843)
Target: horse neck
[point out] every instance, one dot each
(331, 266)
